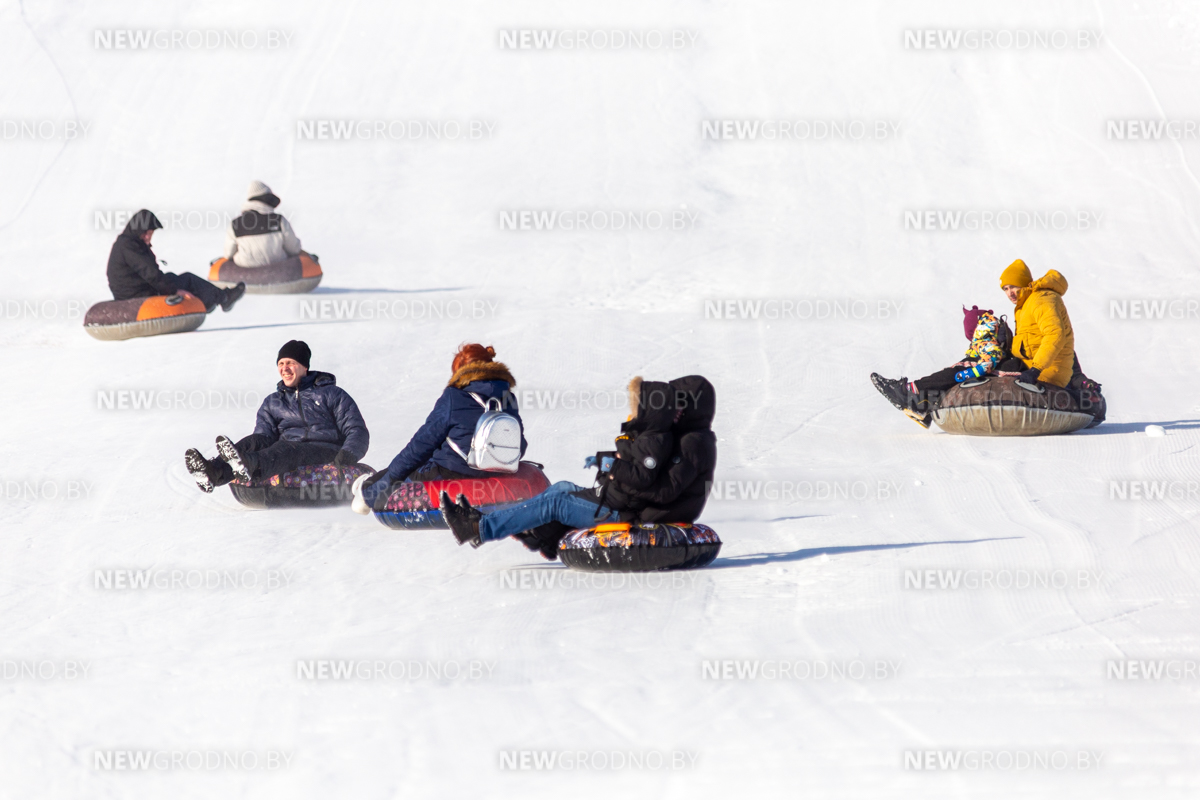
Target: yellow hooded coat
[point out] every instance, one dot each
(1044, 337)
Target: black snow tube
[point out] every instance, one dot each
(114, 320)
(640, 547)
(322, 486)
(1005, 406)
(293, 275)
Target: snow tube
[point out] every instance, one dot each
(113, 320)
(307, 487)
(1006, 407)
(294, 275)
(640, 547)
(415, 505)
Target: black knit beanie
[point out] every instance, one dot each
(297, 351)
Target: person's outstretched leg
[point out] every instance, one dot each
(209, 294)
(279, 457)
(209, 473)
(558, 503)
(929, 391)
(287, 456)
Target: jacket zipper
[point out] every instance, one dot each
(303, 421)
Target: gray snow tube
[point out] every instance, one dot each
(1006, 407)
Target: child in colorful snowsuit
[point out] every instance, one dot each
(920, 398)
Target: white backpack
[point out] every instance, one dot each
(496, 445)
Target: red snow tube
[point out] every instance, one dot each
(113, 320)
(307, 487)
(417, 504)
(640, 547)
(294, 275)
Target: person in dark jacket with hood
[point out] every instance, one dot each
(308, 421)
(681, 491)
(628, 477)
(133, 270)
(433, 453)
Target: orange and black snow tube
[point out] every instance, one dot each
(640, 547)
(294, 275)
(112, 320)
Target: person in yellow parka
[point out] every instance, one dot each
(1043, 347)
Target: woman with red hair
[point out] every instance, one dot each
(433, 452)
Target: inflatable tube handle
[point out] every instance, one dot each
(1029, 387)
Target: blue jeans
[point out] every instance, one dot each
(556, 503)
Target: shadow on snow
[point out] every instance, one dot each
(1138, 427)
(759, 559)
(347, 290)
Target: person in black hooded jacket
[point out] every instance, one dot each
(680, 492)
(133, 270)
(642, 452)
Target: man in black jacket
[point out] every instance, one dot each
(308, 421)
(133, 270)
(645, 482)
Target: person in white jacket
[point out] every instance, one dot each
(258, 236)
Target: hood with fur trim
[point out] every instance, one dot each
(481, 371)
(650, 405)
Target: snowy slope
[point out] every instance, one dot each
(814, 578)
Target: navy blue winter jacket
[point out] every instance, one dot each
(317, 410)
(454, 416)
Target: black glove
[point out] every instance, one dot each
(1030, 375)
(345, 458)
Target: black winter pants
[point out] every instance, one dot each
(210, 295)
(263, 459)
(941, 381)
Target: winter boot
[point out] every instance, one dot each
(896, 392)
(900, 394)
(544, 539)
(230, 455)
(208, 474)
(231, 296)
(462, 519)
(358, 505)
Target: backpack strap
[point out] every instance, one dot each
(456, 449)
(486, 407)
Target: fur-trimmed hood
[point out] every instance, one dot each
(635, 395)
(650, 406)
(481, 371)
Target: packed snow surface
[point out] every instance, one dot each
(1055, 655)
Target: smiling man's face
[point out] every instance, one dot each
(291, 371)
